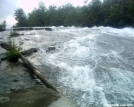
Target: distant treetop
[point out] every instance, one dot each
(114, 13)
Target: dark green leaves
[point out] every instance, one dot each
(13, 51)
(114, 13)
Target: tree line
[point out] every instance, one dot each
(3, 26)
(114, 13)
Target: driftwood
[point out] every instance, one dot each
(32, 68)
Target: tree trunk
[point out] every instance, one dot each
(32, 68)
(35, 71)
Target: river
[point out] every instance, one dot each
(92, 66)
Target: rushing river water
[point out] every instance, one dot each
(95, 65)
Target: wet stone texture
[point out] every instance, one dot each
(38, 96)
(14, 77)
(33, 97)
(19, 88)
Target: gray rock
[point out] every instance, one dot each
(12, 89)
(4, 99)
(29, 51)
(48, 29)
(38, 81)
(15, 80)
(21, 43)
(38, 96)
(51, 48)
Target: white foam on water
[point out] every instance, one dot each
(75, 77)
(81, 78)
(99, 76)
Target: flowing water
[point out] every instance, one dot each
(95, 65)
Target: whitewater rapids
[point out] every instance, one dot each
(92, 66)
(96, 67)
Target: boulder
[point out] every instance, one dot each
(48, 29)
(21, 42)
(29, 52)
(39, 28)
(51, 48)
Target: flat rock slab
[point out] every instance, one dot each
(38, 96)
(14, 76)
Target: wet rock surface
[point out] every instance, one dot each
(50, 48)
(38, 96)
(33, 97)
(29, 51)
(14, 77)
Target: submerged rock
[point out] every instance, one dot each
(21, 42)
(29, 52)
(48, 29)
(51, 48)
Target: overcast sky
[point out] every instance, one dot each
(8, 7)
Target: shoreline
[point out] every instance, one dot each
(16, 78)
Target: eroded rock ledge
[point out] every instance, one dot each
(38, 96)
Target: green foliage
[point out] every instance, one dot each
(13, 34)
(114, 13)
(3, 26)
(13, 51)
(21, 18)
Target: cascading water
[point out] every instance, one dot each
(96, 66)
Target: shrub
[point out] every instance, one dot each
(13, 51)
(13, 34)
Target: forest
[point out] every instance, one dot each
(3, 26)
(113, 13)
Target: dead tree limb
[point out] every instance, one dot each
(31, 67)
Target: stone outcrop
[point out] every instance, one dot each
(50, 48)
(38, 96)
(29, 51)
(3, 56)
(48, 29)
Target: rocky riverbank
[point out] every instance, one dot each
(17, 83)
(38, 96)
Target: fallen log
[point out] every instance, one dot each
(32, 68)
(35, 71)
